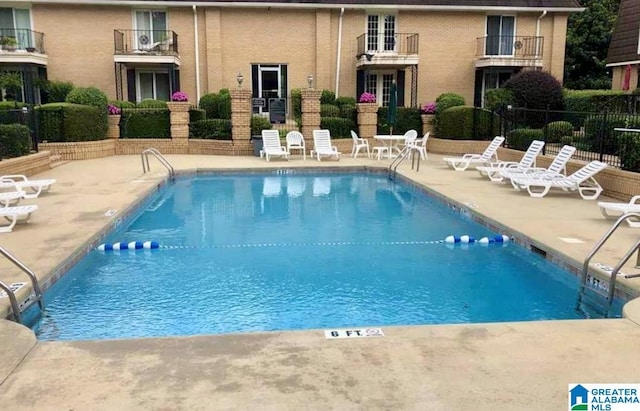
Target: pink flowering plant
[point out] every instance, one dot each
(179, 96)
(367, 98)
(113, 110)
(429, 108)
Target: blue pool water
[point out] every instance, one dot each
(244, 253)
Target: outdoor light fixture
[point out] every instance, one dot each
(239, 78)
(310, 80)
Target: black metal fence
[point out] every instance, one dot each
(27, 117)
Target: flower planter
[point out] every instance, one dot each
(428, 123)
(178, 106)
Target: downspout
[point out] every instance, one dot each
(339, 52)
(197, 55)
(544, 13)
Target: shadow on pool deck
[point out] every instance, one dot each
(452, 367)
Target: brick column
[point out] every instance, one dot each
(240, 115)
(179, 118)
(367, 119)
(427, 123)
(114, 126)
(310, 111)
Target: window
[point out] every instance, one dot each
(494, 79)
(381, 33)
(380, 85)
(16, 23)
(500, 35)
(151, 28)
(152, 84)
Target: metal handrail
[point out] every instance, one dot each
(404, 153)
(15, 307)
(144, 156)
(616, 269)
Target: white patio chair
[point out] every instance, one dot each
(615, 210)
(322, 145)
(295, 141)
(557, 166)
(410, 138)
(420, 145)
(13, 214)
(528, 160)
(581, 181)
(21, 182)
(359, 143)
(489, 155)
(271, 145)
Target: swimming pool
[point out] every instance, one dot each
(242, 253)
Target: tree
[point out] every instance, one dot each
(588, 36)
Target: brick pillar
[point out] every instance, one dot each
(179, 118)
(310, 111)
(240, 115)
(367, 119)
(114, 126)
(427, 123)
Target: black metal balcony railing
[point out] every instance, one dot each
(155, 42)
(21, 40)
(397, 43)
(524, 47)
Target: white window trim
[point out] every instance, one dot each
(379, 13)
(148, 71)
(380, 83)
(515, 32)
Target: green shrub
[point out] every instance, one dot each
(521, 138)
(329, 110)
(345, 101)
(122, 103)
(57, 91)
(327, 97)
(338, 127)
(458, 123)
(218, 129)
(217, 105)
(89, 96)
(151, 103)
(535, 89)
(14, 140)
(296, 103)
(629, 145)
(349, 111)
(449, 95)
(406, 119)
(557, 131)
(145, 123)
(498, 99)
(224, 104)
(599, 131)
(259, 123)
(11, 105)
(11, 112)
(196, 114)
(445, 101)
(59, 122)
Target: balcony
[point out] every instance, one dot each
(387, 51)
(146, 46)
(19, 46)
(509, 51)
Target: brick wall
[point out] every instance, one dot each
(81, 150)
(27, 165)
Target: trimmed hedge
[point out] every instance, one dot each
(338, 127)
(145, 123)
(151, 103)
(593, 101)
(59, 122)
(217, 105)
(196, 114)
(296, 103)
(327, 97)
(536, 90)
(349, 111)
(259, 123)
(122, 104)
(11, 112)
(498, 98)
(90, 96)
(457, 123)
(329, 110)
(629, 144)
(57, 91)
(443, 102)
(217, 129)
(14, 140)
(596, 127)
(345, 101)
(521, 138)
(406, 119)
(557, 131)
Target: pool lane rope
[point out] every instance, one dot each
(153, 245)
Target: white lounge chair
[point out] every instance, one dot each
(21, 182)
(359, 143)
(557, 166)
(13, 214)
(322, 145)
(582, 181)
(295, 141)
(615, 210)
(528, 160)
(271, 145)
(420, 145)
(489, 155)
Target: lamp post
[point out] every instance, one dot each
(310, 80)
(239, 79)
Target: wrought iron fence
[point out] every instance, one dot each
(153, 42)
(22, 39)
(396, 43)
(29, 117)
(524, 47)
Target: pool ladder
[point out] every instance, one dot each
(598, 295)
(404, 153)
(144, 156)
(35, 297)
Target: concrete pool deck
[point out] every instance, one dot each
(479, 366)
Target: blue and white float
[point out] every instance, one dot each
(467, 239)
(497, 239)
(133, 245)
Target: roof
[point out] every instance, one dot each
(624, 41)
(470, 5)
